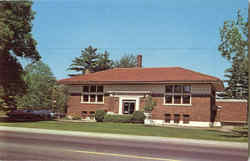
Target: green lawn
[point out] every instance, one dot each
(132, 129)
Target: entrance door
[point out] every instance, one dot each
(128, 107)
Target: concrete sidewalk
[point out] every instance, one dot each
(129, 137)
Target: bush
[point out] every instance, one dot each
(149, 104)
(138, 117)
(118, 118)
(99, 115)
(76, 117)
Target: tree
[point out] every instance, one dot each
(87, 61)
(40, 82)
(234, 47)
(15, 41)
(60, 96)
(149, 104)
(127, 61)
(91, 61)
(11, 82)
(104, 62)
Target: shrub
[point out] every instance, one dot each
(99, 115)
(138, 117)
(118, 118)
(149, 104)
(76, 117)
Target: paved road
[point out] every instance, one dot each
(33, 146)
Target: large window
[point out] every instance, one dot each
(177, 94)
(92, 94)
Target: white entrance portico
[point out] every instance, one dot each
(129, 96)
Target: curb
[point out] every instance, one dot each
(156, 139)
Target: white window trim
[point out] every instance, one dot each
(91, 93)
(172, 95)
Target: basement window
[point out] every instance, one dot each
(176, 118)
(92, 94)
(186, 119)
(167, 117)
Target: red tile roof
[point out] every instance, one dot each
(143, 75)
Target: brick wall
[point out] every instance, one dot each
(200, 109)
(232, 111)
(75, 107)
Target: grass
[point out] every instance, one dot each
(132, 129)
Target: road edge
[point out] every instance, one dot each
(205, 143)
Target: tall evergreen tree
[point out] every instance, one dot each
(15, 41)
(234, 47)
(104, 62)
(87, 61)
(127, 61)
(92, 61)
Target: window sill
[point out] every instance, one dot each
(177, 104)
(97, 103)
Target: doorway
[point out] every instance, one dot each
(128, 106)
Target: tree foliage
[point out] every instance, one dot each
(104, 62)
(15, 41)
(149, 104)
(234, 47)
(92, 61)
(127, 61)
(59, 98)
(40, 82)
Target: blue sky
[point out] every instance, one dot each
(166, 32)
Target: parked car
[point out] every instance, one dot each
(34, 115)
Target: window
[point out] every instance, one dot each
(186, 99)
(185, 119)
(167, 117)
(176, 118)
(177, 94)
(92, 88)
(85, 88)
(168, 99)
(85, 98)
(92, 94)
(99, 98)
(100, 89)
(92, 98)
(169, 89)
(177, 99)
(177, 88)
(128, 107)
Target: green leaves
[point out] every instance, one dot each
(91, 60)
(15, 31)
(234, 47)
(40, 82)
(15, 41)
(127, 61)
(234, 38)
(149, 104)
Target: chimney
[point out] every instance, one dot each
(139, 61)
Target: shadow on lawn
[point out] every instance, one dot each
(9, 120)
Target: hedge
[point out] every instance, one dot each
(118, 118)
(136, 117)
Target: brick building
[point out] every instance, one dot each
(232, 111)
(184, 97)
